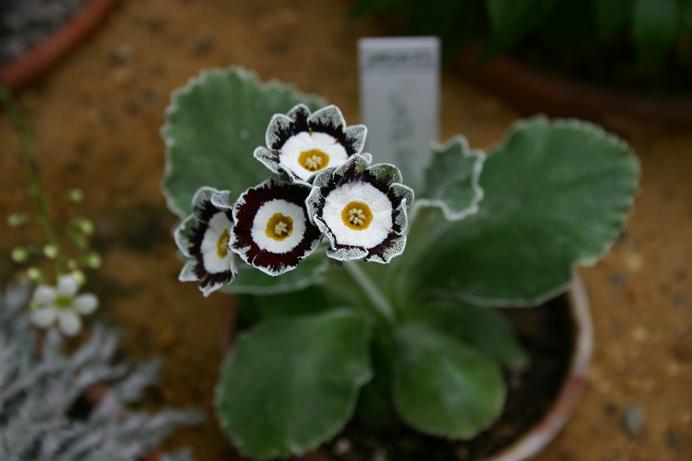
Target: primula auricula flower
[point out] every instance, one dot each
(203, 238)
(301, 144)
(272, 231)
(62, 304)
(362, 210)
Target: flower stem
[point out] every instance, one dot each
(378, 300)
(35, 190)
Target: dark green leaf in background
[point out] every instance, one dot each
(655, 28)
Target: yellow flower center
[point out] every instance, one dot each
(63, 302)
(357, 215)
(313, 159)
(222, 244)
(279, 227)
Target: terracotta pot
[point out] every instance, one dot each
(547, 428)
(22, 71)
(532, 90)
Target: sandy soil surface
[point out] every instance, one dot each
(97, 122)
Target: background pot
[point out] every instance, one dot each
(532, 90)
(547, 428)
(22, 71)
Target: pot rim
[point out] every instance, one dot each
(41, 58)
(544, 431)
(531, 89)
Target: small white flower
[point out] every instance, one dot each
(62, 304)
(203, 238)
(272, 231)
(301, 144)
(362, 210)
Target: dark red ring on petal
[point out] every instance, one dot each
(245, 216)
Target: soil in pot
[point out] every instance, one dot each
(547, 333)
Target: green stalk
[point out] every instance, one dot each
(377, 299)
(35, 190)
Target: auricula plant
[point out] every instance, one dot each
(365, 302)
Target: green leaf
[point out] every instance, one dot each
(557, 194)
(291, 384)
(442, 387)
(512, 21)
(451, 180)
(654, 31)
(212, 127)
(611, 17)
(482, 328)
(252, 281)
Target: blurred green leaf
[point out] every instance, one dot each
(291, 384)
(611, 17)
(442, 387)
(481, 328)
(213, 126)
(512, 21)
(655, 28)
(557, 194)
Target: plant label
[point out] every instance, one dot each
(399, 100)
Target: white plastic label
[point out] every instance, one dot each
(399, 100)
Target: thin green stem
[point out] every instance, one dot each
(35, 190)
(378, 300)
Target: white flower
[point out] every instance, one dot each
(300, 144)
(362, 210)
(62, 303)
(272, 231)
(203, 238)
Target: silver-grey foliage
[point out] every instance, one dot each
(44, 412)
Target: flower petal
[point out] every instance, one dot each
(329, 116)
(86, 304)
(43, 295)
(182, 234)
(187, 273)
(268, 158)
(261, 208)
(385, 173)
(356, 135)
(222, 200)
(278, 126)
(70, 323)
(43, 317)
(68, 285)
(298, 111)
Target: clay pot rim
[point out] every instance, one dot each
(534, 90)
(544, 431)
(30, 66)
(533, 441)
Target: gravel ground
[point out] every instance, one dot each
(97, 119)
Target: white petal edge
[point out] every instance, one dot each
(70, 323)
(86, 304)
(43, 317)
(68, 285)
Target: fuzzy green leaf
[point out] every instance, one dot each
(654, 31)
(442, 387)
(451, 180)
(212, 127)
(557, 194)
(291, 384)
(482, 328)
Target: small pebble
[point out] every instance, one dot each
(633, 420)
(342, 446)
